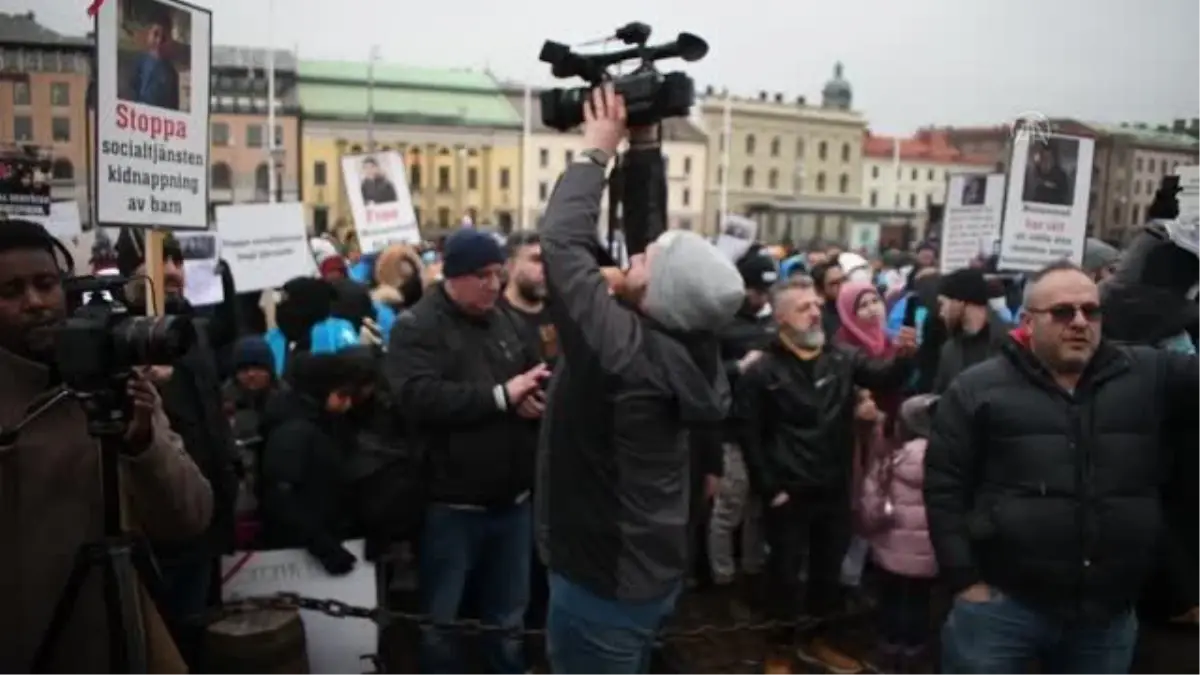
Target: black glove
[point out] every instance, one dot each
(338, 561)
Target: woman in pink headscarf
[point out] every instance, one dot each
(863, 316)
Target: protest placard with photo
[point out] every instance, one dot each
(1045, 216)
(24, 184)
(377, 186)
(152, 121)
(971, 218)
(737, 235)
(202, 278)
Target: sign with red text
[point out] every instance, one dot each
(1045, 215)
(152, 102)
(971, 219)
(377, 186)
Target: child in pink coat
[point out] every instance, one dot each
(892, 514)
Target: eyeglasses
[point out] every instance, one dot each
(1066, 312)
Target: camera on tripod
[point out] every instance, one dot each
(101, 342)
(650, 96)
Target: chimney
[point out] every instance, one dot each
(762, 95)
(1179, 126)
(708, 91)
(779, 98)
(800, 100)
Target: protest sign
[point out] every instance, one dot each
(265, 245)
(335, 645)
(737, 235)
(1189, 193)
(63, 221)
(971, 219)
(1045, 215)
(201, 278)
(152, 119)
(24, 185)
(377, 187)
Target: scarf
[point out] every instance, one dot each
(868, 336)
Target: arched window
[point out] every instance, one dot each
(414, 176)
(845, 152)
(749, 144)
(773, 179)
(844, 184)
(775, 147)
(748, 177)
(62, 169)
(821, 178)
(222, 177)
(822, 150)
(262, 178)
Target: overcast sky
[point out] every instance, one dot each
(911, 62)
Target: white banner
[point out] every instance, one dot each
(152, 70)
(738, 234)
(377, 187)
(971, 220)
(265, 245)
(334, 645)
(864, 237)
(201, 278)
(1045, 217)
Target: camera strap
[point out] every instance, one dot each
(38, 407)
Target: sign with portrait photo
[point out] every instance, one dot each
(152, 121)
(971, 219)
(24, 185)
(377, 186)
(1045, 216)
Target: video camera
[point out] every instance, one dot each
(101, 342)
(650, 96)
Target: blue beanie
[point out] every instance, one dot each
(252, 351)
(467, 251)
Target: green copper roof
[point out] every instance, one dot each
(389, 73)
(1147, 135)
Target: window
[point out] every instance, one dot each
(568, 157)
(1136, 215)
(749, 144)
(505, 178)
(443, 179)
(444, 217)
(775, 147)
(928, 200)
(799, 148)
(262, 180)
(60, 129)
(845, 152)
(543, 158)
(62, 169)
(874, 172)
(505, 220)
(22, 128)
(912, 201)
(319, 174)
(254, 136)
(320, 220)
(60, 94)
(821, 181)
(772, 179)
(822, 151)
(414, 176)
(220, 134)
(279, 136)
(874, 198)
(472, 178)
(1150, 166)
(686, 198)
(543, 191)
(222, 177)
(1139, 163)
(844, 183)
(20, 93)
(354, 149)
(1117, 213)
(914, 174)
(687, 166)
(720, 175)
(1137, 187)
(1150, 187)
(748, 177)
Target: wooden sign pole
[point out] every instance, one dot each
(156, 296)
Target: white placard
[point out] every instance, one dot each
(335, 645)
(201, 278)
(864, 237)
(971, 220)
(1189, 195)
(377, 186)
(63, 222)
(1045, 216)
(738, 234)
(152, 70)
(265, 245)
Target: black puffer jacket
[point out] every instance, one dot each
(746, 333)
(1050, 496)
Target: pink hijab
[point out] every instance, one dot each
(866, 335)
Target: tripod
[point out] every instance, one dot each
(122, 558)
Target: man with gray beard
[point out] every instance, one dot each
(794, 411)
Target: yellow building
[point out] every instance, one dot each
(458, 134)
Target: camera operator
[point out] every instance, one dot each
(614, 468)
(50, 471)
(191, 393)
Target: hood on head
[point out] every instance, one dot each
(916, 413)
(693, 286)
(389, 267)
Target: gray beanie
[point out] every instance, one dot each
(1097, 255)
(693, 286)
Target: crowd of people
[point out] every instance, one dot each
(570, 446)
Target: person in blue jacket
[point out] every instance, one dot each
(305, 323)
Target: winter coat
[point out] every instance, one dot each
(892, 508)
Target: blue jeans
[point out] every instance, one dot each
(586, 633)
(1003, 635)
(490, 550)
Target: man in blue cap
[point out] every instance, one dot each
(471, 390)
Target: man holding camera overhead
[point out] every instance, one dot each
(50, 472)
(634, 373)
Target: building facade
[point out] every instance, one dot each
(549, 151)
(240, 158)
(785, 153)
(456, 130)
(43, 94)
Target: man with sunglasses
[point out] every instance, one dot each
(1042, 486)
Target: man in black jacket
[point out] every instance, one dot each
(1042, 487)
(794, 410)
(974, 332)
(614, 469)
(461, 373)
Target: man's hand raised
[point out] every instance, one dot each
(604, 120)
(521, 386)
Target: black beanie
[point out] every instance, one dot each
(469, 250)
(967, 285)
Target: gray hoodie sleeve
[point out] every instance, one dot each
(584, 311)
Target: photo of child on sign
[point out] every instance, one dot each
(154, 54)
